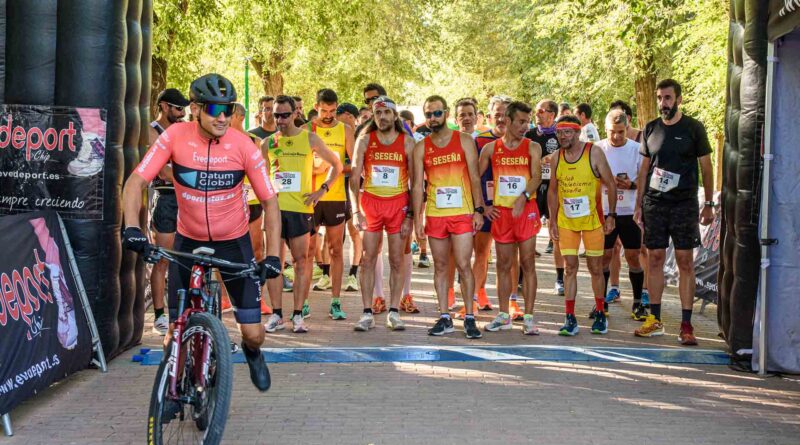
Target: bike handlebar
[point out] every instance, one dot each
(156, 253)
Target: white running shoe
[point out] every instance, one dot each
(274, 323)
(91, 156)
(324, 283)
(365, 323)
(161, 324)
(529, 326)
(394, 322)
(501, 322)
(299, 324)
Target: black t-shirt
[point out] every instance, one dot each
(261, 133)
(423, 130)
(548, 142)
(674, 150)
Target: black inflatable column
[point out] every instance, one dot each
(31, 52)
(90, 72)
(3, 18)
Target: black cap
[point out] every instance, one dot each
(172, 96)
(347, 108)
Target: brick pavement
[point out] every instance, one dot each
(450, 402)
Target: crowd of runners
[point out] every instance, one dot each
(441, 188)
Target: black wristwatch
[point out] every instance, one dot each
(325, 186)
(711, 204)
(409, 213)
(614, 214)
(479, 210)
(527, 195)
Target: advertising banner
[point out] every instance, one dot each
(52, 158)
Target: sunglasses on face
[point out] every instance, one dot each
(286, 115)
(177, 107)
(214, 110)
(436, 114)
(369, 100)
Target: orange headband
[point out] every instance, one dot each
(567, 125)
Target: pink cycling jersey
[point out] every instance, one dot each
(212, 205)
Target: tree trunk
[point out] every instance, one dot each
(646, 107)
(158, 82)
(270, 73)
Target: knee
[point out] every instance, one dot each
(685, 265)
(253, 337)
(336, 251)
(656, 258)
(594, 267)
(570, 269)
(395, 262)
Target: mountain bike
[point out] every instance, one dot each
(192, 389)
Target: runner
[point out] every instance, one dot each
(331, 211)
(210, 164)
(449, 160)
(171, 109)
(545, 135)
(383, 158)
(294, 149)
(668, 203)
(588, 129)
(574, 200)
(516, 169)
(624, 161)
(265, 119)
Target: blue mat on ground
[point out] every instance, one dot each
(474, 354)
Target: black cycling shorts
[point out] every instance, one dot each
(245, 293)
(165, 212)
(256, 210)
(626, 229)
(678, 220)
(330, 213)
(294, 224)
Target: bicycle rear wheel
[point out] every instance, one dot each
(202, 411)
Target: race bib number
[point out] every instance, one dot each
(449, 197)
(385, 176)
(288, 181)
(664, 181)
(511, 185)
(576, 207)
(625, 201)
(490, 189)
(545, 171)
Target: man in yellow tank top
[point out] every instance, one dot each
(331, 211)
(574, 199)
(294, 149)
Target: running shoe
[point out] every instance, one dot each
(324, 283)
(287, 284)
(288, 272)
(259, 373)
(529, 326)
(335, 311)
(549, 248)
(559, 288)
(351, 283)
(686, 337)
(483, 301)
(650, 328)
(612, 295)
(600, 325)
(306, 309)
(414, 247)
(161, 324)
(423, 262)
(570, 327)
(442, 326)
(316, 273)
(274, 323)
(514, 311)
(451, 299)
(394, 323)
(462, 313)
(299, 324)
(365, 323)
(407, 305)
(378, 305)
(502, 322)
(645, 297)
(470, 329)
(265, 309)
(639, 312)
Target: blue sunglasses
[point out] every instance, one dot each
(214, 110)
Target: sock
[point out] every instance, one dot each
(570, 307)
(278, 312)
(445, 315)
(637, 281)
(560, 274)
(655, 310)
(469, 317)
(354, 270)
(392, 309)
(513, 297)
(335, 300)
(326, 269)
(297, 312)
(368, 310)
(686, 315)
(601, 302)
(286, 265)
(158, 312)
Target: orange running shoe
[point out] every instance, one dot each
(378, 305)
(226, 304)
(265, 309)
(407, 305)
(686, 337)
(463, 312)
(514, 311)
(483, 300)
(451, 298)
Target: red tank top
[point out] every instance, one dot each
(511, 170)
(449, 186)
(385, 167)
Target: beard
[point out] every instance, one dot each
(669, 113)
(436, 127)
(327, 120)
(172, 119)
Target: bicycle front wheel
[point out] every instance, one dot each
(204, 387)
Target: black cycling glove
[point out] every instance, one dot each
(270, 267)
(134, 239)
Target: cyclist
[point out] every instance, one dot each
(209, 165)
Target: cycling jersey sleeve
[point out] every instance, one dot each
(255, 168)
(156, 158)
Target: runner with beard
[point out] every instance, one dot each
(383, 157)
(454, 207)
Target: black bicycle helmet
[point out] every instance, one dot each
(212, 89)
